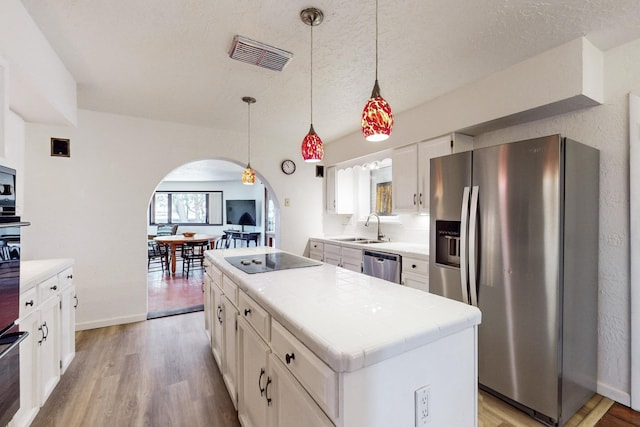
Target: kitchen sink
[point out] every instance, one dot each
(360, 240)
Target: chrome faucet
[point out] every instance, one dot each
(366, 224)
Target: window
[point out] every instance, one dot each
(182, 207)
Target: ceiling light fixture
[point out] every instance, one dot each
(248, 174)
(377, 118)
(312, 149)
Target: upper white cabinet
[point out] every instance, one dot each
(411, 170)
(339, 190)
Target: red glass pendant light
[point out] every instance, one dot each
(377, 118)
(312, 147)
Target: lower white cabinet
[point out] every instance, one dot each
(253, 379)
(342, 256)
(415, 273)
(68, 305)
(218, 321)
(230, 357)
(316, 250)
(288, 404)
(47, 312)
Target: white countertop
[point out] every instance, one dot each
(36, 271)
(414, 250)
(348, 319)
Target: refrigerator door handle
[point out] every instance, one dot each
(473, 258)
(464, 220)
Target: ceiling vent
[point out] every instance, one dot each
(260, 54)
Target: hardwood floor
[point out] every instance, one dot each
(155, 373)
(161, 373)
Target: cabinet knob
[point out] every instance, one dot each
(413, 266)
(30, 302)
(54, 287)
(70, 276)
(247, 311)
(289, 357)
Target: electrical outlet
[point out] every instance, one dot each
(423, 406)
(286, 202)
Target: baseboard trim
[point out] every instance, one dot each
(175, 312)
(103, 323)
(614, 394)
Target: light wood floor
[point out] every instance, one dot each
(161, 373)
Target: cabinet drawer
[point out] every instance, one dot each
(354, 255)
(48, 288)
(315, 246)
(230, 289)
(28, 302)
(332, 250)
(254, 314)
(315, 376)
(213, 272)
(65, 277)
(415, 265)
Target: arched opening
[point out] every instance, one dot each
(201, 201)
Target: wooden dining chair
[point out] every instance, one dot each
(193, 256)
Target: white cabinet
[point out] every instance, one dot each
(217, 327)
(229, 338)
(288, 402)
(48, 341)
(68, 305)
(253, 354)
(339, 190)
(415, 273)
(47, 312)
(342, 256)
(208, 312)
(411, 171)
(316, 250)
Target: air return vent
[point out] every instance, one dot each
(263, 55)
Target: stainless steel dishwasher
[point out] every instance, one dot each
(381, 264)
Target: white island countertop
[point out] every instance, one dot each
(348, 319)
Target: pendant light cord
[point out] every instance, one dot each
(376, 40)
(311, 75)
(249, 133)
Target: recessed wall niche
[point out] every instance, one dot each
(60, 147)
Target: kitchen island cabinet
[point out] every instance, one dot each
(353, 349)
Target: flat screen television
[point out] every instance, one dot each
(241, 212)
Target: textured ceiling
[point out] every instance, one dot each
(168, 59)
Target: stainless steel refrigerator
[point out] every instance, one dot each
(514, 230)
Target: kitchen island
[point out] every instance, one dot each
(334, 347)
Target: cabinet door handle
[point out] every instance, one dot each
(70, 276)
(414, 199)
(267, 391)
(75, 297)
(54, 288)
(219, 314)
(290, 357)
(247, 311)
(42, 332)
(30, 302)
(420, 199)
(262, 389)
(46, 335)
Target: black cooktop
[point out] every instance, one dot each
(262, 263)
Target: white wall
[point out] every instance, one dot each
(93, 206)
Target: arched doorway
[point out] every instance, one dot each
(197, 197)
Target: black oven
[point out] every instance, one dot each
(10, 337)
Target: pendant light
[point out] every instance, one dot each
(312, 149)
(248, 174)
(377, 118)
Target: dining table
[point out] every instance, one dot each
(175, 240)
